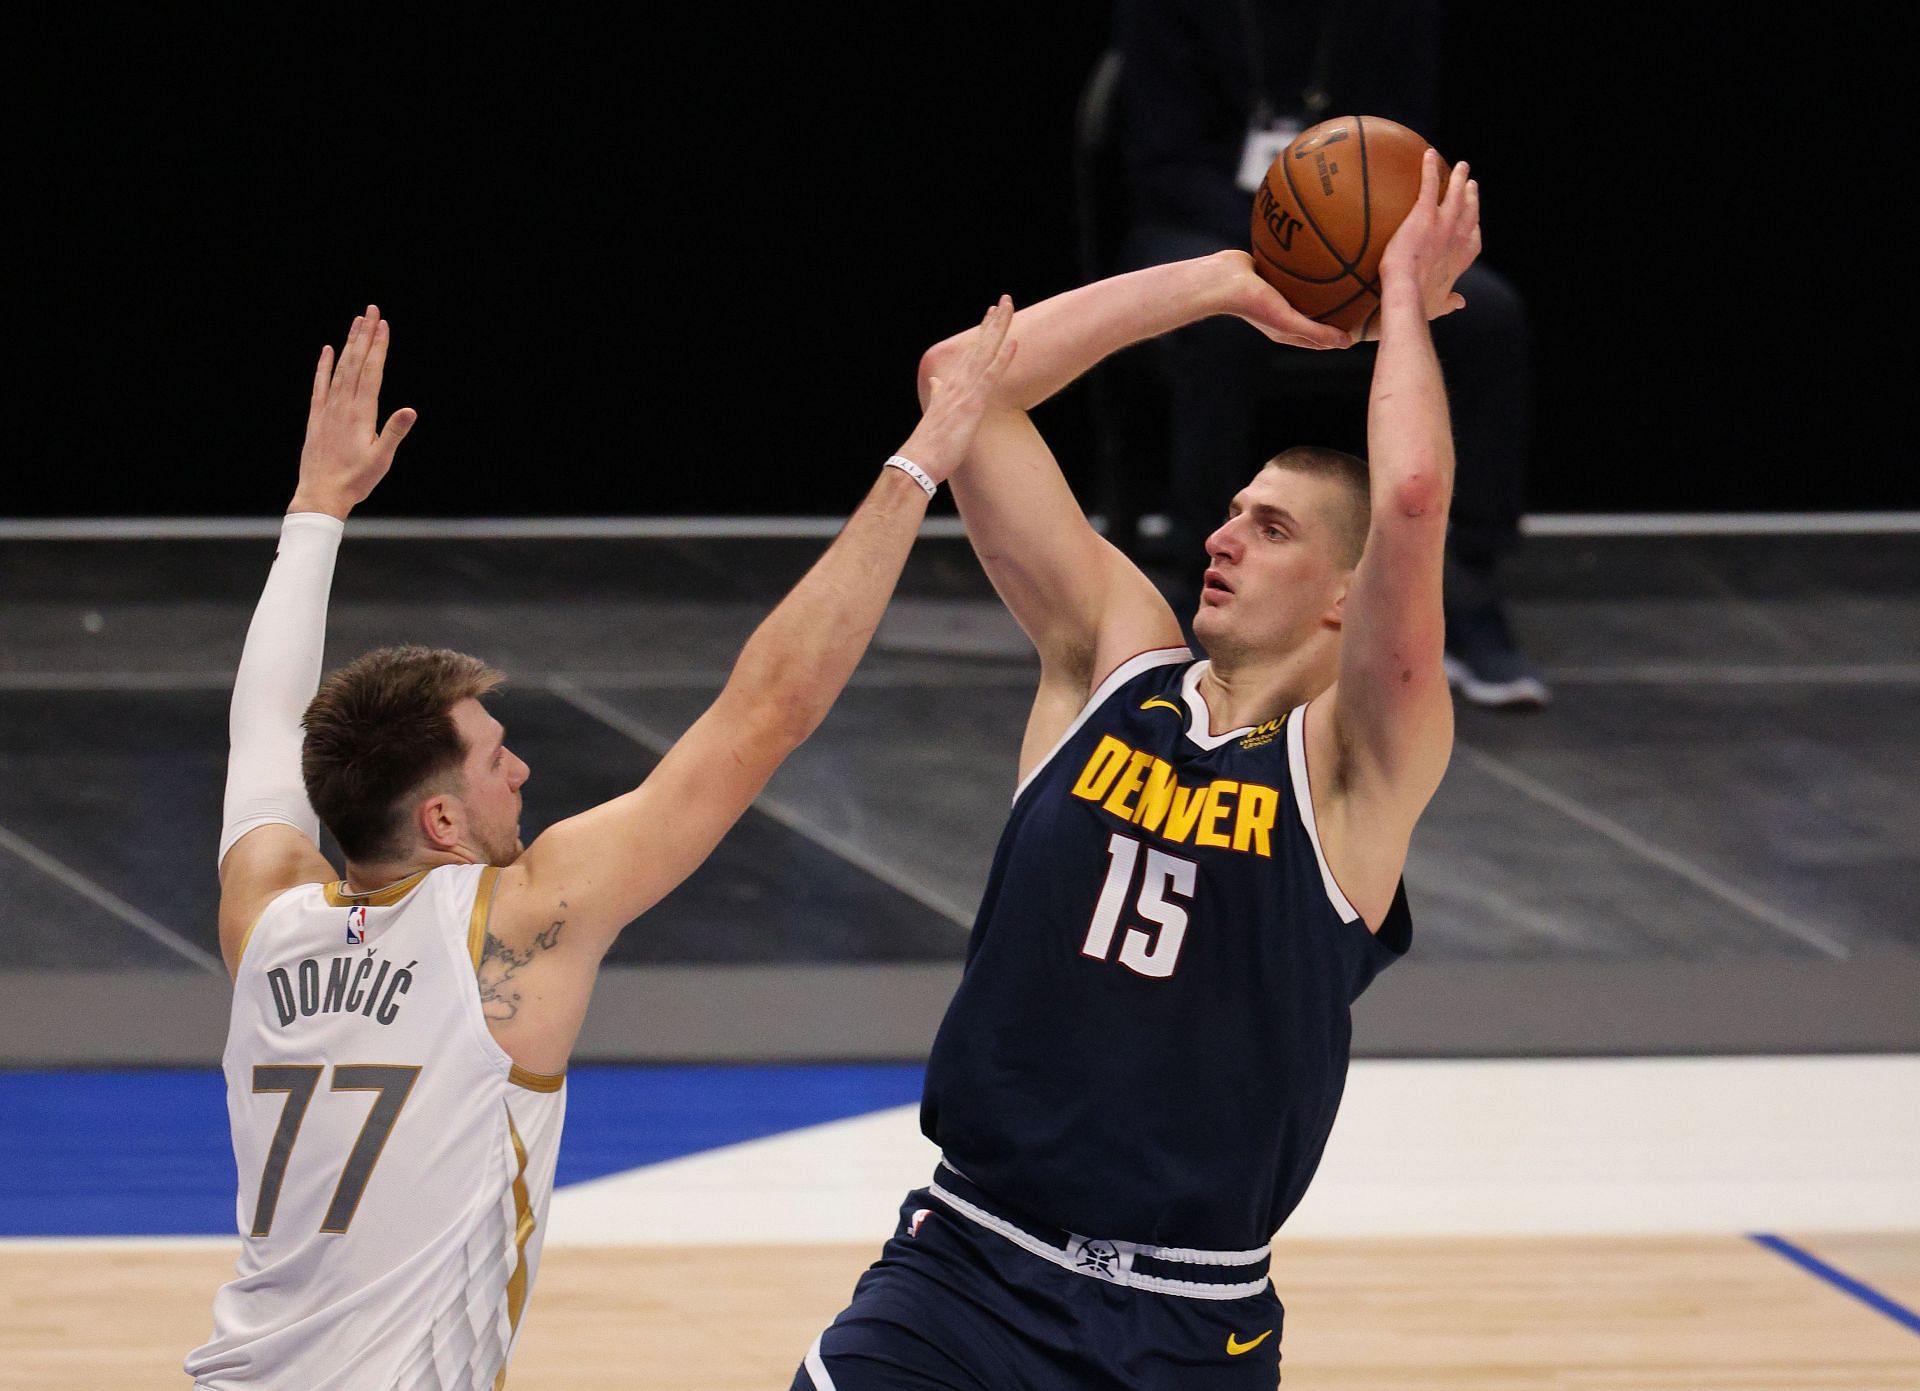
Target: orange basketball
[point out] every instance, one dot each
(1326, 210)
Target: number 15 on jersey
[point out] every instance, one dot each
(1164, 876)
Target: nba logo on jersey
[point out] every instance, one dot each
(356, 926)
(920, 1214)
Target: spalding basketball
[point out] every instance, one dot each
(1326, 210)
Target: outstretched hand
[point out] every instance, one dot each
(956, 401)
(1254, 300)
(1439, 239)
(345, 455)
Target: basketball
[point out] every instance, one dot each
(1326, 210)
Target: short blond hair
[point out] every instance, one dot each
(1354, 514)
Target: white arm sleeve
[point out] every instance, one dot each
(279, 672)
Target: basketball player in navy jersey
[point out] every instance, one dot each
(1201, 872)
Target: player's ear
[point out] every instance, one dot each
(1336, 614)
(436, 817)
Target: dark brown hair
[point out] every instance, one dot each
(379, 732)
(1355, 511)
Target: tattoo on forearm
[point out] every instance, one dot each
(500, 963)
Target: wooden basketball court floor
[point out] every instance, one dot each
(1377, 1314)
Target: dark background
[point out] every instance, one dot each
(685, 262)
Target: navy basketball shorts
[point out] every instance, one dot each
(971, 1296)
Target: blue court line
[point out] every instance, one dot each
(1866, 1294)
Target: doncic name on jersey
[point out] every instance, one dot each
(355, 983)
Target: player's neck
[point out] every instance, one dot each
(373, 876)
(1244, 689)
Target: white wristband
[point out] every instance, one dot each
(913, 471)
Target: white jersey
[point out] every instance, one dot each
(395, 1165)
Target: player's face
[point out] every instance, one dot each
(1275, 574)
(492, 778)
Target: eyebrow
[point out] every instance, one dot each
(1267, 511)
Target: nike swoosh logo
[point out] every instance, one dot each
(1235, 1347)
(1159, 704)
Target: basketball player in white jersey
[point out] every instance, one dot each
(399, 1038)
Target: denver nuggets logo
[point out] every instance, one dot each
(1262, 734)
(1099, 1258)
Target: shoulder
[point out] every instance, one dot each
(1154, 670)
(267, 862)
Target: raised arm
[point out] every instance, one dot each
(560, 905)
(1386, 728)
(1083, 604)
(269, 835)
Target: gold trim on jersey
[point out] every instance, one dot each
(482, 911)
(241, 955)
(536, 1081)
(522, 1230)
(339, 896)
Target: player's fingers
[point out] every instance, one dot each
(999, 325)
(322, 379)
(1430, 177)
(340, 359)
(994, 325)
(998, 367)
(376, 367)
(353, 357)
(398, 426)
(1311, 334)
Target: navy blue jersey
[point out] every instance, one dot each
(1151, 1037)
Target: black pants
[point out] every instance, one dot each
(1220, 371)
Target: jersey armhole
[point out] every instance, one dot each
(246, 938)
(1303, 800)
(1118, 677)
(482, 912)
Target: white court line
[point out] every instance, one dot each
(114, 904)
(658, 744)
(1736, 674)
(1507, 1147)
(1604, 825)
(821, 528)
(1721, 524)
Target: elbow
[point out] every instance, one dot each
(938, 361)
(1421, 493)
(783, 718)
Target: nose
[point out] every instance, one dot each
(521, 773)
(1225, 542)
